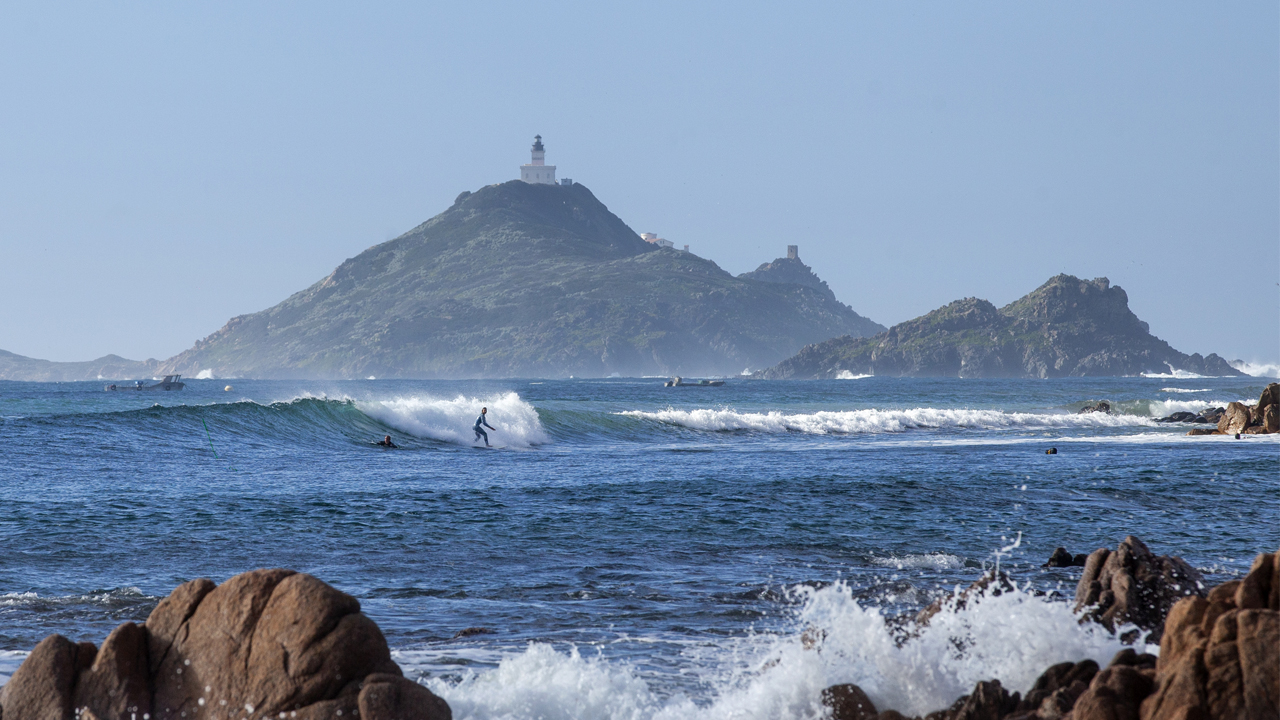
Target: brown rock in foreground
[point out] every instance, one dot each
(264, 643)
(1222, 655)
(1133, 585)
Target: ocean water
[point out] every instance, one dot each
(629, 550)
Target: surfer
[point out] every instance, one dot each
(386, 442)
(480, 433)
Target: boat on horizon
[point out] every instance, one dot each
(681, 382)
(170, 382)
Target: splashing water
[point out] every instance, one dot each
(1264, 370)
(451, 420)
(1012, 637)
(846, 375)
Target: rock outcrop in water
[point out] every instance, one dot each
(1219, 660)
(1132, 585)
(262, 645)
(1067, 327)
(1261, 418)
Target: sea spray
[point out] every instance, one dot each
(832, 639)
(1261, 370)
(450, 420)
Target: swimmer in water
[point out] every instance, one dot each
(386, 442)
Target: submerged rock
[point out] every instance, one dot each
(848, 702)
(266, 642)
(1062, 558)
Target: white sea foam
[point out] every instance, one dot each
(1175, 374)
(1266, 370)
(1184, 390)
(1164, 408)
(1013, 637)
(846, 375)
(931, 561)
(205, 374)
(878, 421)
(450, 420)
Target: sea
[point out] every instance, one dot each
(628, 550)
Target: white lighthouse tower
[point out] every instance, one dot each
(537, 171)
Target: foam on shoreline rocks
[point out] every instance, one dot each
(1237, 418)
(266, 643)
(1219, 657)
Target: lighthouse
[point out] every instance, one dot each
(538, 171)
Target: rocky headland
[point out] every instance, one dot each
(113, 367)
(1067, 327)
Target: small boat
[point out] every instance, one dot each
(170, 382)
(681, 382)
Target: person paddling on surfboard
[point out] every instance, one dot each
(480, 433)
(386, 442)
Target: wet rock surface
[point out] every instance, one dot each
(1062, 558)
(1132, 585)
(264, 643)
(1261, 418)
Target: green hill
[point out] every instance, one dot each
(524, 280)
(1066, 327)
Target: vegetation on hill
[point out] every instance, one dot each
(1066, 327)
(524, 280)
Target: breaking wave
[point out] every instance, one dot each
(1163, 408)
(1184, 390)
(876, 421)
(832, 639)
(846, 375)
(1175, 374)
(1264, 370)
(450, 420)
(929, 561)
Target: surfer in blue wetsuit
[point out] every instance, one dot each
(480, 421)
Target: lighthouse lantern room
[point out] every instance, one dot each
(538, 171)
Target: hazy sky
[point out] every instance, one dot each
(166, 166)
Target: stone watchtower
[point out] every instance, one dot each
(537, 171)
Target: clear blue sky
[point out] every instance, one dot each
(166, 166)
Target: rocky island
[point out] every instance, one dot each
(1067, 327)
(516, 279)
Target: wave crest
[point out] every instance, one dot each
(849, 422)
(450, 420)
